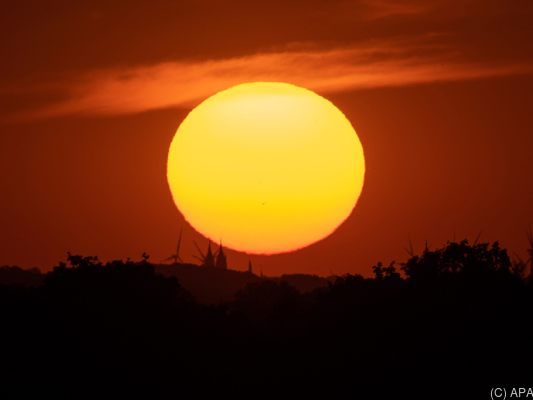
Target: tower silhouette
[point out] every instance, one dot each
(221, 261)
(207, 259)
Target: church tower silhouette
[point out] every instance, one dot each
(221, 261)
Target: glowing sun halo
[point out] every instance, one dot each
(265, 167)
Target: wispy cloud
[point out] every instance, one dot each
(182, 84)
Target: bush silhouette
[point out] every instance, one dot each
(452, 318)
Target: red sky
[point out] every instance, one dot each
(440, 93)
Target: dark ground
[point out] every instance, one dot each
(449, 323)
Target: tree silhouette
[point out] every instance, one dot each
(450, 318)
(477, 261)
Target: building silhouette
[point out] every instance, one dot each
(221, 261)
(209, 259)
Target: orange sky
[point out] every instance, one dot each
(440, 94)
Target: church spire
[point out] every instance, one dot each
(209, 260)
(221, 261)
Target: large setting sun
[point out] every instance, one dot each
(261, 197)
(266, 167)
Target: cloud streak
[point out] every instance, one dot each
(184, 83)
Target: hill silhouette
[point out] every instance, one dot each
(206, 285)
(13, 275)
(215, 285)
(447, 323)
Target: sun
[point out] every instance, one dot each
(265, 167)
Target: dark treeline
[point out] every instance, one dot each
(448, 323)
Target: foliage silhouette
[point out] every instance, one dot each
(450, 320)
